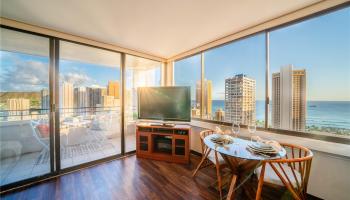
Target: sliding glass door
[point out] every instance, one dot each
(24, 106)
(89, 104)
(60, 104)
(139, 72)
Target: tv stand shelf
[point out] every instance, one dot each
(165, 143)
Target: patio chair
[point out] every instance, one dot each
(292, 171)
(209, 158)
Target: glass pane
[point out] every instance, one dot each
(234, 85)
(24, 106)
(187, 72)
(310, 75)
(139, 72)
(89, 94)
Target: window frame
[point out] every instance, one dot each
(328, 138)
(54, 57)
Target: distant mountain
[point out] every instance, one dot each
(15, 95)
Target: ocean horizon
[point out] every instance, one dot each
(318, 113)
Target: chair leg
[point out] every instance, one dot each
(200, 164)
(261, 182)
(231, 191)
(217, 165)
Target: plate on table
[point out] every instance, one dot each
(261, 148)
(222, 139)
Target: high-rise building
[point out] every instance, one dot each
(289, 99)
(103, 91)
(240, 99)
(109, 102)
(219, 115)
(195, 112)
(67, 95)
(94, 96)
(198, 94)
(81, 100)
(45, 100)
(80, 97)
(207, 97)
(18, 107)
(207, 108)
(113, 89)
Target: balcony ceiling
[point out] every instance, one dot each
(162, 28)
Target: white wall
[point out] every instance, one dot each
(330, 176)
(330, 171)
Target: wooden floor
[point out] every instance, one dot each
(129, 178)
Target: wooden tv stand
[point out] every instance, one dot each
(165, 143)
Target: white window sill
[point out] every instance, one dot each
(337, 149)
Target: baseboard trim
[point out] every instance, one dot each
(196, 153)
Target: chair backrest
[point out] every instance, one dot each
(202, 135)
(42, 140)
(298, 159)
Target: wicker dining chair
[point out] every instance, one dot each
(209, 158)
(292, 171)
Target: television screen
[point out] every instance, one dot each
(164, 103)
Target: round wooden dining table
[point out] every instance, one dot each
(241, 162)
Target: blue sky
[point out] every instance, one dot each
(85, 74)
(320, 45)
(24, 72)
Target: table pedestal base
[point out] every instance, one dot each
(242, 170)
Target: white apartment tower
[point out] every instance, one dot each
(18, 107)
(66, 98)
(240, 99)
(109, 102)
(289, 99)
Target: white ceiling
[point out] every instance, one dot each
(14, 41)
(159, 27)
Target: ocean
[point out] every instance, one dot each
(318, 113)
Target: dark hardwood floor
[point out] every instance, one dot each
(131, 178)
(126, 178)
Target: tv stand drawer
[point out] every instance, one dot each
(181, 132)
(168, 144)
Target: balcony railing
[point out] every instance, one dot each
(37, 113)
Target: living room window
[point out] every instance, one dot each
(295, 57)
(24, 106)
(310, 75)
(234, 82)
(139, 72)
(89, 103)
(187, 72)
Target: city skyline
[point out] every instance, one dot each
(85, 96)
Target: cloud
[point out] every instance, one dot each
(76, 78)
(97, 86)
(24, 76)
(19, 75)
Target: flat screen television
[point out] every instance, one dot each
(164, 103)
